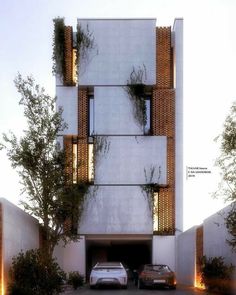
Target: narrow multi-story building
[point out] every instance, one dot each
(122, 95)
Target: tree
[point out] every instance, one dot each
(227, 163)
(41, 164)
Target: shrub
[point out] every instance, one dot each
(75, 279)
(31, 274)
(216, 275)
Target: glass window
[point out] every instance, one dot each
(75, 161)
(91, 115)
(147, 127)
(155, 211)
(91, 163)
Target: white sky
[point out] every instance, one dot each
(26, 29)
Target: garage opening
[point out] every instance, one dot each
(131, 252)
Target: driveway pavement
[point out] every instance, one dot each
(132, 290)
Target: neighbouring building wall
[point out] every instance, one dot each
(185, 257)
(208, 239)
(19, 232)
(215, 235)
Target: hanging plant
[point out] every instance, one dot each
(150, 188)
(84, 43)
(101, 147)
(58, 47)
(136, 90)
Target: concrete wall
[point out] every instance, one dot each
(119, 45)
(119, 119)
(20, 231)
(163, 248)
(72, 257)
(128, 156)
(185, 257)
(116, 210)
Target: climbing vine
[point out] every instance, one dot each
(136, 90)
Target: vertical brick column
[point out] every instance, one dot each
(1, 250)
(199, 254)
(163, 124)
(69, 66)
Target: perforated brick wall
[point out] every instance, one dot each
(68, 76)
(163, 123)
(83, 112)
(82, 157)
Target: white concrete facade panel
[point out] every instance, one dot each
(72, 257)
(116, 210)
(67, 99)
(121, 166)
(161, 245)
(118, 119)
(119, 46)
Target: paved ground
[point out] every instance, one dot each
(132, 290)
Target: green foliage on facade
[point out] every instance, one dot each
(137, 91)
(84, 43)
(58, 56)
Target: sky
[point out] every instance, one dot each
(26, 30)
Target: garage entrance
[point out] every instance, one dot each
(131, 251)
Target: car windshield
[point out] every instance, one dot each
(107, 268)
(160, 268)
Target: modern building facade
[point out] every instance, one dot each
(123, 102)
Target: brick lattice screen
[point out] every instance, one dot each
(81, 140)
(163, 123)
(69, 66)
(83, 112)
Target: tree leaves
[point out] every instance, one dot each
(41, 163)
(227, 163)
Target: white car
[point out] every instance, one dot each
(108, 273)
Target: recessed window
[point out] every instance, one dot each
(155, 211)
(74, 162)
(91, 115)
(147, 127)
(90, 163)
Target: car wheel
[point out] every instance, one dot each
(140, 284)
(92, 287)
(125, 287)
(172, 287)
